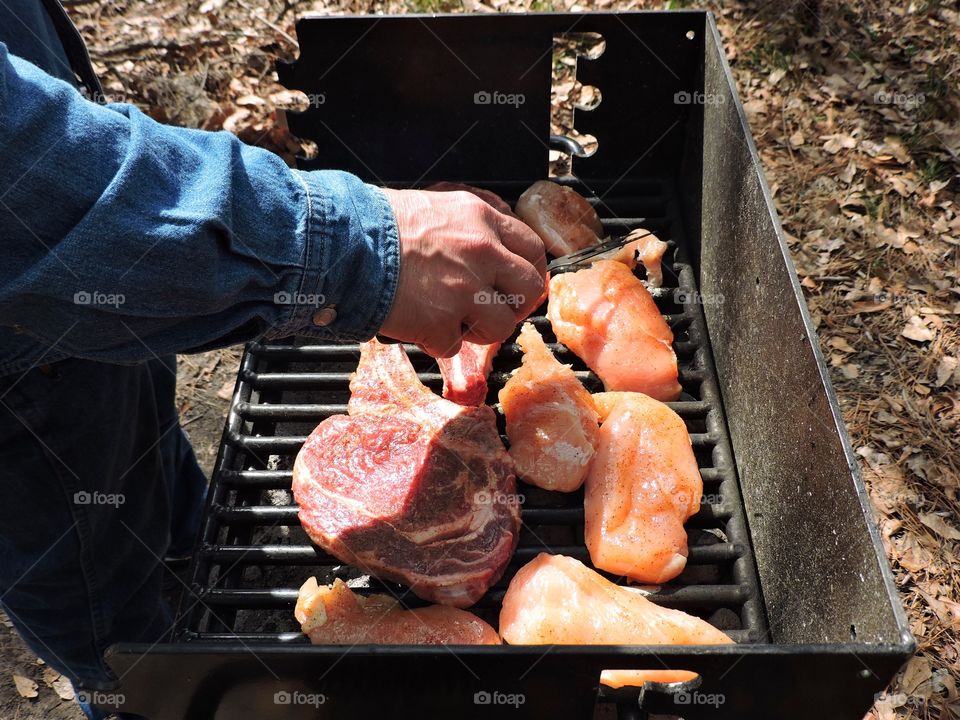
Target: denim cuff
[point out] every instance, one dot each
(351, 253)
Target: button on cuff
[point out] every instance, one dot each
(325, 316)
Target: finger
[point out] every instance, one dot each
(519, 239)
(520, 282)
(492, 320)
(442, 344)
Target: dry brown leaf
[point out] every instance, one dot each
(851, 371)
(63, 688)
(840, 343)
(870, 307)
(49, 676)
(837, 142)
(917, 672)
(916, 330)
(797, 139)
(945, 370)
(911, 555)
(940, 526)
(895, 147)
(226, 390)
(848, 173)
(26, 687)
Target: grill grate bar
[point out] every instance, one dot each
(317, 412)
(340, 380)
(690, 596)
(308, 554)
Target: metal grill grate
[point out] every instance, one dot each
(253, 554)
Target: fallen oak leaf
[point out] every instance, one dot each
(916, 330)
(837, 142)
(916, 673)
(49, 676)
(26, 687)
(63, 688)
(940, 526)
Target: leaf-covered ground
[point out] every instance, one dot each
(855, 107)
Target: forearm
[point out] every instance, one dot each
(129, 238)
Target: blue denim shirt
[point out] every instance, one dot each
(124, 239)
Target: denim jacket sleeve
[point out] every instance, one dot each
(123, 238)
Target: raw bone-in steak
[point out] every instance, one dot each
(410, 487)
(465, 374)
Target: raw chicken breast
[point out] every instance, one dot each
(645, 246)
(643, 485)
(335, 615)
(608, 318)
(562, 218)
(465, 374)
(551, 419)
(555, 599)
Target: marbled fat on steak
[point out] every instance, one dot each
(410, 487)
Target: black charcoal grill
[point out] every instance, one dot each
(784, 556)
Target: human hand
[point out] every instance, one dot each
(467, 271)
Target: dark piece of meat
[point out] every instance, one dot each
(465, 374)
(410, 487)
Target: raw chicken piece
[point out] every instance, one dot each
(465, 374)
(645, 246)
(555, 599)
(491, 198)
(560, 216)
(402, 486)
(607, 317)
(335, 615)
(643, 486)
(551, 419)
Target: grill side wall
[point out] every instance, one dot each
(822, 569)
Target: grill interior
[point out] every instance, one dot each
(254, 555)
